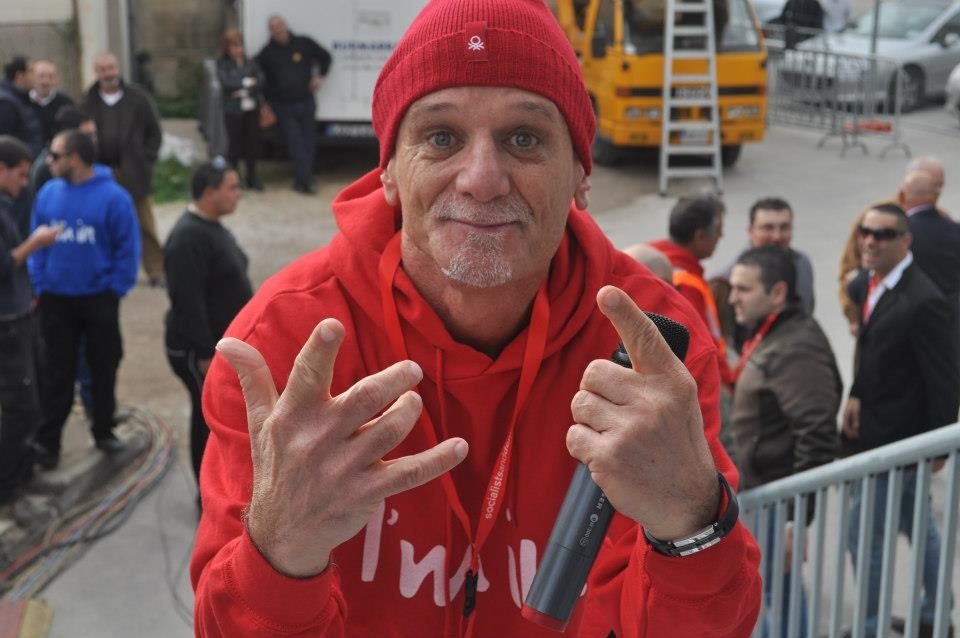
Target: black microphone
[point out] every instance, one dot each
(582, 522)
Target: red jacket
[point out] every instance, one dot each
(389, 579)
(683, 259)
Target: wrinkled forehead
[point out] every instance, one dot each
(464, 99)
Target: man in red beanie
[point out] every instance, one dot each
(391, 415)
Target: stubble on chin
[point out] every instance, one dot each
(481, 259)
(479, 262)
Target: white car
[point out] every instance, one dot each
(922, 36)
(953, 91)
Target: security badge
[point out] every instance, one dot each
(475, 47)
(297, 56)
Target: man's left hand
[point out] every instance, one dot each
(315, 83)
(640, 431)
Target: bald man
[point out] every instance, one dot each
(653, 259)
(45, 98)
(936, 238)
(128, 141)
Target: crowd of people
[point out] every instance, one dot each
(898, 287)
(384, 380)
(76, 223)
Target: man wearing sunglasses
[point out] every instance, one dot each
(906, 380)
(79, 281)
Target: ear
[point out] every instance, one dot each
(779, 293)
(389, 180)
(583, 187)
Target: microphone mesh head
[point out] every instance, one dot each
(672, 332)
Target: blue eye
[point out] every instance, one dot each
(524, 140)
(442, 139)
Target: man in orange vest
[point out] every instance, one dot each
(696, 226)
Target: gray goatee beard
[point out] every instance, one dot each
(481, 260)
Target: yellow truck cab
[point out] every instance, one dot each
(620, 47)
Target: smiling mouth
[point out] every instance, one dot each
(485, 225)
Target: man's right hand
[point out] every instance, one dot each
(851, 418)
(318, 473)
(45, 235)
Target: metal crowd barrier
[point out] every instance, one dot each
(827, 492)
(846, 96)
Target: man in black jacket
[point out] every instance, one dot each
(45, 98)
(294, 67)
(936, 238)
(207, 283)
(906, 381)
(19, 120)
(19, 403)
(16, 116)
(128, 141)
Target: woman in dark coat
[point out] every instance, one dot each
(241, 81)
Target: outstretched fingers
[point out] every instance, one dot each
(377, 438)
(408, 472)
(312, 370)
(256, 382)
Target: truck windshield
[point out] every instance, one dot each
(643, 26)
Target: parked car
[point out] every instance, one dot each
(953, 91)
(922, 36)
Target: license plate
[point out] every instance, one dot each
(694, 138)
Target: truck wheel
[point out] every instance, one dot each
(605, 152)
(730, 154)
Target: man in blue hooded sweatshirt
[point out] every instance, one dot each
(80, 280)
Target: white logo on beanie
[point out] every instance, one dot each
(475, 43)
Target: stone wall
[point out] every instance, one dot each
(177, 35)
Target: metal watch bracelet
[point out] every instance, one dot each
(708, 536)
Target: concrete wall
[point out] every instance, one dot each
(69, 32)
(43, 28)
(177, 35)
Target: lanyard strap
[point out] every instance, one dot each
(752, 344)
(532, 357)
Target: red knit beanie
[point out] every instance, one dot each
(510, 43)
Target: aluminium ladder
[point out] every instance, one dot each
(687, 137)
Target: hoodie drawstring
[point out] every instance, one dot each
(498, 485)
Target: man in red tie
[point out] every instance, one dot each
(905, 381)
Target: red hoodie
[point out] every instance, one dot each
(389, 579)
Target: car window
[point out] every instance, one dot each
(900, 21)
(643, 23)
(952, 26)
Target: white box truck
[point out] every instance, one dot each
(359, 34)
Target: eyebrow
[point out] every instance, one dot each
(528, 106)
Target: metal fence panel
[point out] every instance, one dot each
(846, 96)
(891, 488)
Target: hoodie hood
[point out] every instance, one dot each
(576, 273)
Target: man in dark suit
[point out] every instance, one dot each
(906, 380)
(936, 238)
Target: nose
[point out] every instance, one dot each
(483, 174)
